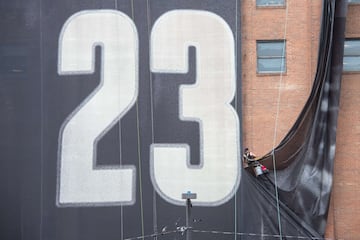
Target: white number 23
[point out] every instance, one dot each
(216, 178)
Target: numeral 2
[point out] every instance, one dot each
(80, 182)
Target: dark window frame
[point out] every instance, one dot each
(270, 3)
(351, 53)
(280, 56)
(353, 2)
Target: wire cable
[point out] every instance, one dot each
(139, 149)
(237, 11)
(276, 121)
(120, 158)
(152, 114)
(153, 235)
(182, 231)
(42, 117)
(279, 236)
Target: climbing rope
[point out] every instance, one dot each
(152, 116)
(276, 122)
(182, 230)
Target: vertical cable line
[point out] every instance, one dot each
(155, 227)
(121, 207)
(139, 149)
(120, 157)
(250, 85)
(276, 122)
(41, 123)
(237, 11)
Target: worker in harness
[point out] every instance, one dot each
(251, 161)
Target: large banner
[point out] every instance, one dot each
(113, 113)
(113, 110)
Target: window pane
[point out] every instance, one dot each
(352, 48)
(270, 49)
(271, 65)
(351, 64)
(271, 56)
(354, 1)
(270, 2)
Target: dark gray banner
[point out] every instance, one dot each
(112, 110)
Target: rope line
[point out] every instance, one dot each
(139, 149)
(140, 169)
(151, 80)
(120, 158)
(182, 231)
(237, 11)
(42, 123)
(276, 122)
(154, 235)
(258, 234)
(151, 114)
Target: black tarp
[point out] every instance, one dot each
(304, 159)
(172, 106)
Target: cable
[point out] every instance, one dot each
(237, 11)
(152, 235)
(182, 230)
(152, 115)
(42, 124)
(140, 169)
(120, 158)
(139, 149)
(258, 235)
(276, 121)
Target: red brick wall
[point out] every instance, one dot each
(273, 101)
(262, 93)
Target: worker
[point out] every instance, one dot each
(248, 156)
(251, 161)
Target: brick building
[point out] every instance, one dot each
(276, 86)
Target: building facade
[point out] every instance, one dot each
(280, 40)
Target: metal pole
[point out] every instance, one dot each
(188, 219)
(188, 196)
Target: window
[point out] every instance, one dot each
(266, 3)
(352, 55)
(271, 56)
(354, 1)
